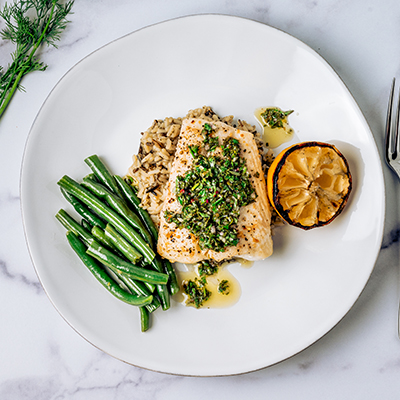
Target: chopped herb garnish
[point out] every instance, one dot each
(196, 291)
(194, 150)
(207, 129)
(223, 287)
(210, 143)
(208, 268)
(212, 192)
(274, 117)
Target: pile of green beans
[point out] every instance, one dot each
(116, 240)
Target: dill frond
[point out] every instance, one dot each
(28, 25)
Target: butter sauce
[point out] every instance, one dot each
(217, 299)
(274, 136)
(245, 263)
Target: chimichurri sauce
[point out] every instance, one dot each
(212, 192)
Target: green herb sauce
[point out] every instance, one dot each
(212, 192)
(196, 291)
(208, 268)
(223, 287)
(275, 117)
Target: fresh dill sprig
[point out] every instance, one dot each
(28, 24)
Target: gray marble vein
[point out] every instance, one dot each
(18, 278)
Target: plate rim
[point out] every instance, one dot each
(189, 16)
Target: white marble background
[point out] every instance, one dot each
(41, 357)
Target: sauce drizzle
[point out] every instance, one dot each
(274, 136)
(217, 299)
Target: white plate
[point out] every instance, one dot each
(234, 65)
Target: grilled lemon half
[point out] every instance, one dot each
(309, 184)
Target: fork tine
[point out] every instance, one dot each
(396, 126)
(389, 138)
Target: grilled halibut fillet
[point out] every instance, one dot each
(254, 233)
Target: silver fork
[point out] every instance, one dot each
(392, 146)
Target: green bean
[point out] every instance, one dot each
(124, 282)
(87, 234)
(119, 206)
(91, 176)
(104, 240)
(71, 225)
(143, 289)
(119, 281)
(144, 319)
(107, 214)
(134, 201)
(123, 267)
(173, 284)
(101, 237)
(123, 246)
(166, 267)
(140, 288)
(162, 291)
(163, 294)
(86, 224)
(83, 210)
(100, 274)
(102, 174)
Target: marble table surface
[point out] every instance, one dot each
(43, 358)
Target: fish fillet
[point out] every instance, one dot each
(254, 232)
